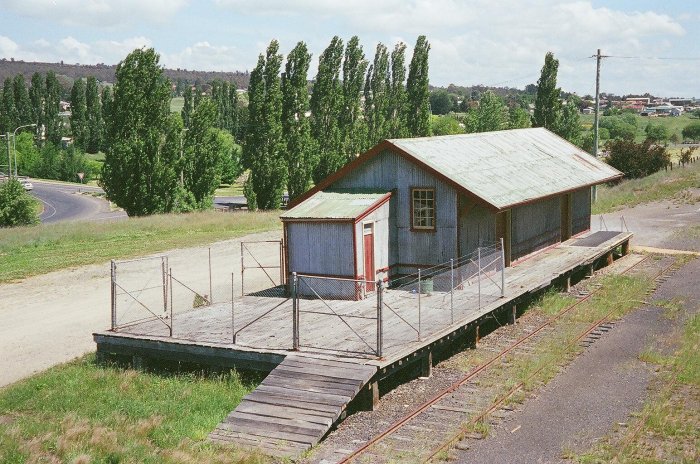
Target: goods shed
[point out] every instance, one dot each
(427, 200)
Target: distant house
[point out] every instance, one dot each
(588, 110)
(64, 106)
(412, 203)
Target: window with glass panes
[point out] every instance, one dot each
(423, 208)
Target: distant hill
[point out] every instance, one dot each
(105, 73)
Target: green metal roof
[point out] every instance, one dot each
(511, 167)
(341, 205)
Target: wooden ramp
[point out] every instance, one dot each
(295, 406)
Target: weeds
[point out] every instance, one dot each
(82, 412)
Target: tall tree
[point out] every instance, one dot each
(139, 170)
(52, 106)
(326, 107)
(187, 106)
(22, 103)
(8, 111)
(36, 97)
(518, 117)
(107, 101)
(396, 107)
(418, 108)
(203, 154)
(352, 121)
(547, 112)
(78, 114)
(377, 96)
(93, 109)
(263, 151)
(299, 150)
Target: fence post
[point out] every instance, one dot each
(172, 311)
(211, 293)
(113, 290)
(380, 324)
(295, 313)
(233, 316)
(503, 270)
(420, 289)
(242, 271)
(478, 273)
(452, 287)
(164, 277)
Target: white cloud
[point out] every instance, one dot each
(203, 56)
(71, 50)
(96, 13)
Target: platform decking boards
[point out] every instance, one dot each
(295, 406)
(306, 391)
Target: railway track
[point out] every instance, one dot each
(477, 400)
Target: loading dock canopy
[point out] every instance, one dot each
(512, 167)
(340, 205)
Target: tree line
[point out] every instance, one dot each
(295, 137)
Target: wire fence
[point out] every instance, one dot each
(198, 301)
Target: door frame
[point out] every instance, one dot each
(373, 272)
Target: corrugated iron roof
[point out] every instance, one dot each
(340, 205)
(507, 168)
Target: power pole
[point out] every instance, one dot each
(598, 56)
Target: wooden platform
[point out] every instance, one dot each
(295, 406)
(307, 391)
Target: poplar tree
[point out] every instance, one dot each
(107, 100)
(36, 97)
(23, 105)
(93, 107)
(377, 96)
(396, 107)
(188, 105)
(139, 172)
(326, 107)
(263, 152)
(203, 154)
(547, 112)
(418, 108)
(52, 103)
(8, 112)
(569, 126)
(490, 115)
(351, 118)
(78, 114)
(300, 150)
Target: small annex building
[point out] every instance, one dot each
(413, 203)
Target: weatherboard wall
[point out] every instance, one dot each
(535, 226)
(477, 226)
(409, 249)
(581, 200)
(321, 248)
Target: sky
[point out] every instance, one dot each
(653, 46)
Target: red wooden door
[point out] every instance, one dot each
(368, 240)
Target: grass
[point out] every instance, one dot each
(674, 125)
(27, 251)
(176, 104)
(83, 412)
(668, 426)
(658, 186)
(226, 190)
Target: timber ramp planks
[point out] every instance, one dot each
(295, 406)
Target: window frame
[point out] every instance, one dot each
(418, 228)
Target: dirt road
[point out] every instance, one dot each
(49, 319)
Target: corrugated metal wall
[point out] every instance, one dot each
(535, 226)
(380, 217)
(321, 248)
(581, 210)
(390, 171)
(477, 226)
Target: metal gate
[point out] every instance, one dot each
(262, 266)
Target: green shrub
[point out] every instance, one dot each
(636, 159)
(16, 205)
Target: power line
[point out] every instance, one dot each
(678, 58)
